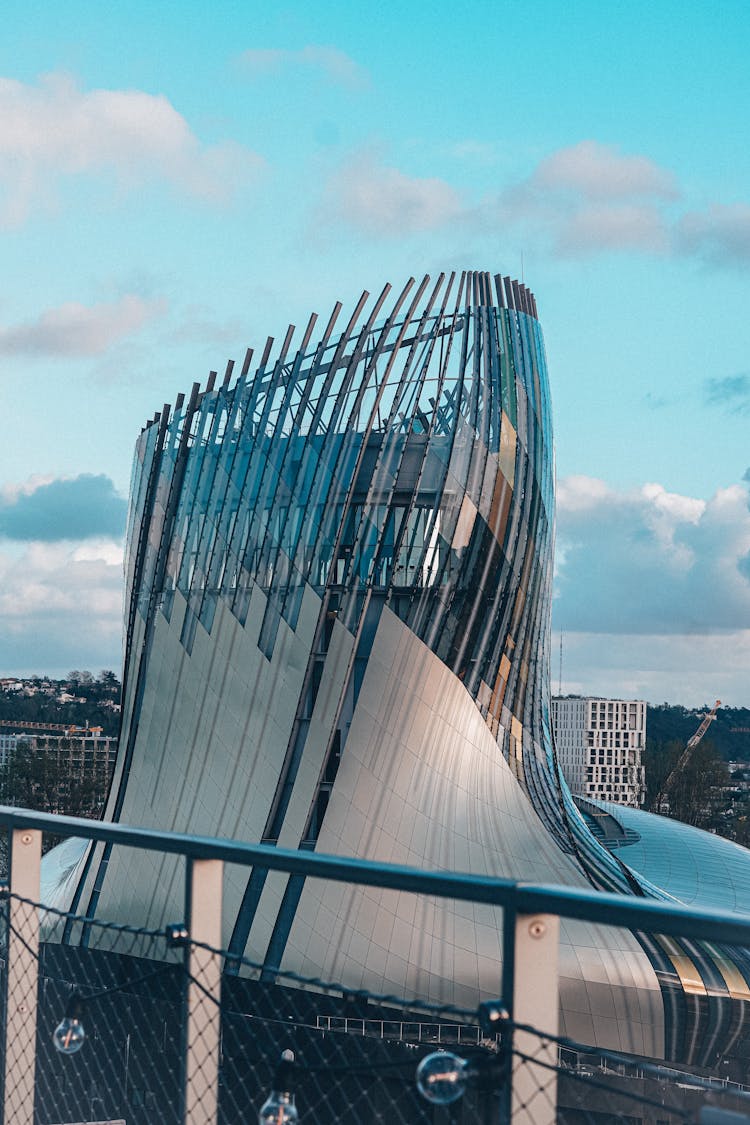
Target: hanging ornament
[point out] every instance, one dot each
(69, 1035)
(279, 1107)
(442, 1077)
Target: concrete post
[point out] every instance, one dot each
(535, 1002)
(205, 879)
(22, 978)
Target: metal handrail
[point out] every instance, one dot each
(601, 907)
(394, 1029)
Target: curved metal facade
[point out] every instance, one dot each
(338, 612)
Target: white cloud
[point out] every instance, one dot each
(54, 130)
(61, 606)
(51, 579)
(651, 561)
(580, 493)
(599, 172)
(590, 198)
(587, 198)
(685, 509)
(11, 490)
(335, 65)
(595, 229)
(383, 201)
(680, 668)
(652, 594)
(719, 235)
(74, 329)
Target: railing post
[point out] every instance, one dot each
(22, 978)
(535, 1002)
(204, 894)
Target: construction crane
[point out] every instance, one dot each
(691, 745)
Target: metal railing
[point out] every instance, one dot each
(406, 1031)
(514, 1037)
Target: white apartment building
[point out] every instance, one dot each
(600, 744)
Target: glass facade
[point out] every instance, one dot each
(405, 462)
(398, 467)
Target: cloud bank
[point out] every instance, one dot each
(61, 577)
(652, 590)
(53, 131)
(76, 330)
(584, 199)
(720, 235)
(590, 198)
(651, 561)
(652, 593)
(60, 607)
(599, 172)
(369, 196)
(85, 507)
(681, 668)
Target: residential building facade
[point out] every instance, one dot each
(78, 758)
(600, 745)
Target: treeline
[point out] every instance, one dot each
(703, 792)
(37, 778)
(97, 701)
(729, 732)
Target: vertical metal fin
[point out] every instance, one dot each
(246, 363)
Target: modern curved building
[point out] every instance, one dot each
(339, 573)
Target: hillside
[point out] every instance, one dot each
(75, 701)
(729, 732)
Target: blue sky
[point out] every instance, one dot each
(177, 181)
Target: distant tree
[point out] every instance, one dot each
(739, 829)
(29, 779)
(35, 778)
(659, 760)
(108, 679)
(730, 732)
(696, 791)
(698, 788)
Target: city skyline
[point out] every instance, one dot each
(154, 225)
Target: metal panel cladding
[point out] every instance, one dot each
(400, 461)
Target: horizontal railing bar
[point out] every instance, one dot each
(525, 898)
